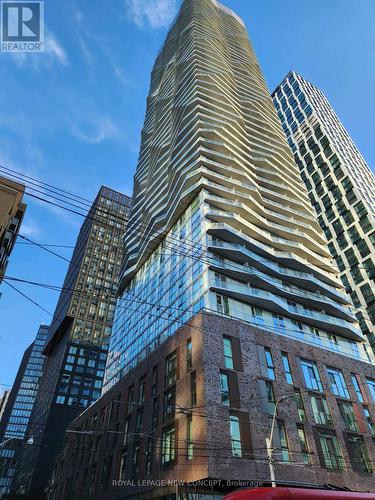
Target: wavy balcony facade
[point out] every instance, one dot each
(220, 217)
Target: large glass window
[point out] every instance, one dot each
(126, 431)
(235, 436)
(168, 447)
(224, 386)
(300, 406)
(269, 363)
(320, 410)
(222, 304)
(193, 388)
(337, 382)
(358, 455)
(304, 445)
(348, 416)
(123, 466)
(369, 420)
(371, 386)
(357, 387)
(311, 375)
(228, 352)
(288, 372)
(189, 355)
(169, 405)
(284, 452)
(331, 451)
(189, 437)
(270, 396)
(170, 369)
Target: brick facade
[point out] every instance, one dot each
(95, 445)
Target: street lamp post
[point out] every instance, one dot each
(269, 441)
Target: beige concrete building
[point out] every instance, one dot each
(341, 187)
(12, 210)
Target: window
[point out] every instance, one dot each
(269, 364)
(279, 323)
(135, 462)
(358, 455)
(126, 431)
(222, 304)
(304, 445)
(168, 447)
(154, 381)
(348, 416)
(228, 352)
(189, 437)
(193, 388)
(123, 467)
(371, 386)
(149, 455)
(257, 313)
(129, 401)
(170, 369)
(139, 421)
(235, 436)
(337, 382)
(270, 396)
(288, 372)
(300, 407)
(357, 387)
(370, 422)
(330, 451)
(284, 448)
(189, 357)
(155, 413)
(169, 405)
(224, 386)
(142, 391)
(368, 293)
(320, 410)
(311, 375)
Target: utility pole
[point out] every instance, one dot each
(269, 441)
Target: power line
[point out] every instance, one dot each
(27, 297)
(87, 204)
(213, 336)
(296, 333)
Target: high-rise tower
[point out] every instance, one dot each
(340, 184)
(17, 414)
(220, 218)
(230, 311)
(77, 343)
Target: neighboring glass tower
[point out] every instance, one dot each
(340, 184)
(77, 343)
(220, 216)
(17, 414)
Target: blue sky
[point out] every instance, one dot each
(72, 116)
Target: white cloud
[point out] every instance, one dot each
(54, 52)
(30, 228)
(95, 132)
(156, 13)
(55, 49)
(89, 58)
(121, 75)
